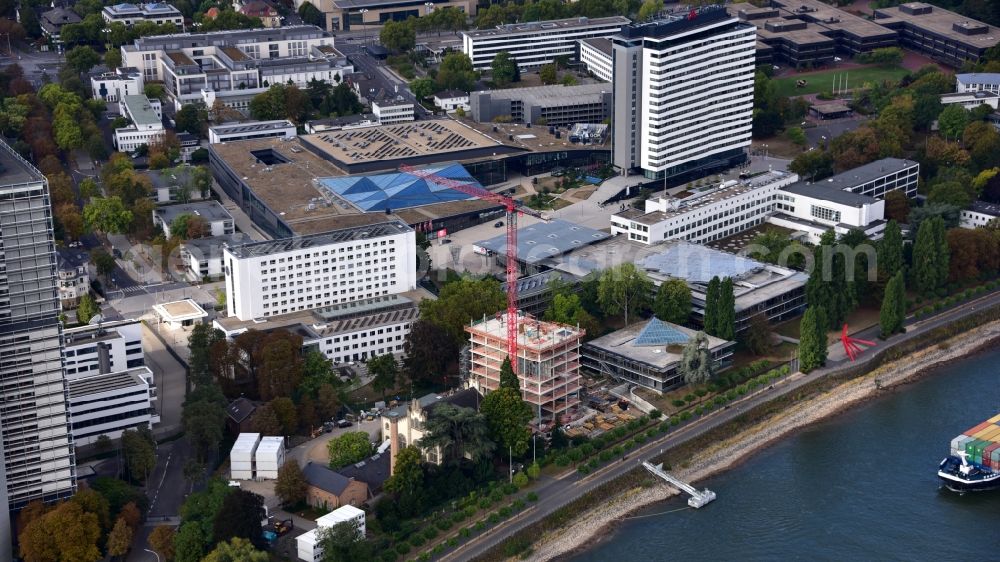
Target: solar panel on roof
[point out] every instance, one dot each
(657, 333)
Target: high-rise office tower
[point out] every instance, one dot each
(683, 94)
(37, 447)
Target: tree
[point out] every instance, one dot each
(797, 136)
(284, 410)
(398, 36)
(236, 550)
(140, 456)
(191, 119)
(725, 322)
(890, 250)
(113, 59)
(673, 301)
(82, 58)
(154, 90)
(430, 350)
(423, 88)
(407, 481)
(649, 9)
(624, 289)
(712, 303)
(311, 15)
(87, 309)
(897, 206)
(460, 301)
(458, 433)
(349, 448)
(280, 367)
(108, 215)
(204, 420)
(952, 120)
(194, 472)
(812, 339)
(385, 370)
(344, 542)
(696, 365)
(930, 260)
(548, 74)
(456, 73)
(239, 516)
(162, 540)
(66, 533)
(507, 414)
(893, 307)
(120, 539)
(131, 515)
(504, 69)
(757, 336)
(291, 485)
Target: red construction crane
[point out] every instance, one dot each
(513, 210)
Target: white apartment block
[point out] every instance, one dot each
(281, 276)
(110, 387)
(450, 100)
(978, 82)
(704, 216)
(392, 110)
(978, 215)
(34, 423)
(234, 66)
(251, 130)
(597, 55)
(683, 93)
(147, 122)
(813, 209)
(131, 14)
(538, 43)
(345, 333)
(113, 86)
(971, 100)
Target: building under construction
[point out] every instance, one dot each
(548, 363)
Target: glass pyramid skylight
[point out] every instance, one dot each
(658, 332)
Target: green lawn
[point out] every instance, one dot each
(823, 81)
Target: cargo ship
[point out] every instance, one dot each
(974, 462)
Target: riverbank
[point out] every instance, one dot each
(598, 524)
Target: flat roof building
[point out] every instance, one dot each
(131, 14)
(548, 363)
(945, 36)
(683, 94)
(216, 219)
(347, 15)
(37, 446)
(544, 105)
(648, 354)
(251, 130)
(345, 333)
(596, 55)
(539, 242)
(533, 44)
(111, 403)
(146, 128)
(234, 66)
(318, 270)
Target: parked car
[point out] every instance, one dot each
(498, 224)
(344, 423)
(116, 253)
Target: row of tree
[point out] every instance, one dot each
(319, 99)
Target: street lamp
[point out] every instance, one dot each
(364, 25)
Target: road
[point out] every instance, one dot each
(376, 70)
(554, 493)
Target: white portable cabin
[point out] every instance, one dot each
(269, 458)
(241, 458)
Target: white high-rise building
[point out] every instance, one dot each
(683, 94)
(302, 273)
(37, 447)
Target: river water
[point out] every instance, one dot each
(860, 486)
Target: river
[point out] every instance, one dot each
(859, 486)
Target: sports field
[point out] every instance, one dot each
(818, 82)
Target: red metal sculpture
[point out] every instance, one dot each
(853, 345)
